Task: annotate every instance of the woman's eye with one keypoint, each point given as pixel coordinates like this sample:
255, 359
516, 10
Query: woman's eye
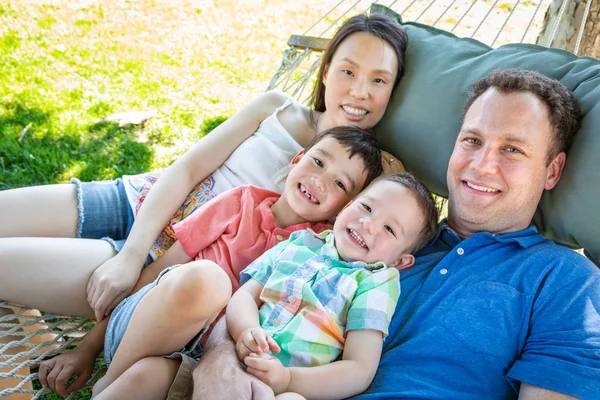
319, 162
378, 80
341, 185
390, 230
366, 207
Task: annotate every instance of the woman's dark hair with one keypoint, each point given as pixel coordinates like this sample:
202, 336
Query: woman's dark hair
378, 25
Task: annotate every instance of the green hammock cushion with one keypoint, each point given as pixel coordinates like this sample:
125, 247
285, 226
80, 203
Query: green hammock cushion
425, 114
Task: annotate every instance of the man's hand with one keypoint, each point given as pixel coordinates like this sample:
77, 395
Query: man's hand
255, 340
55, 372
269, 370
219, 379
110, 283
391, 164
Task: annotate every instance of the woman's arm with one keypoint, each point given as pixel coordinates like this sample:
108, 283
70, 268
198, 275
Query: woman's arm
114, 279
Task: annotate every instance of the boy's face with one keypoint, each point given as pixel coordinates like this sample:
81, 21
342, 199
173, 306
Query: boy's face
381, 224
323, 180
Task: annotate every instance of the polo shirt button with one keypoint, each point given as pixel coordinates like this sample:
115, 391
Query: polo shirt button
443, 271
304, 273
292, 299
279, 237
276, 322
460, 251
328, 262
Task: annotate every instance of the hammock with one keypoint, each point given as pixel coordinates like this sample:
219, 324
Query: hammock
488, 21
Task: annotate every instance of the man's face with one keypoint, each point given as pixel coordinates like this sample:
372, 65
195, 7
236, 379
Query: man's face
498, 169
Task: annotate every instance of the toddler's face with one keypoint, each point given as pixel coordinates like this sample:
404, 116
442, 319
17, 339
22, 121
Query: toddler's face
381, 224
324, 180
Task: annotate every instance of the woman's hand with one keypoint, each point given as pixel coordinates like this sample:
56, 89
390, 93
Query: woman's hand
390, 164
55, 372
111, 283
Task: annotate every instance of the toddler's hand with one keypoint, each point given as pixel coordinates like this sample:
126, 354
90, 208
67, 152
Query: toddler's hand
255, 340
269, 370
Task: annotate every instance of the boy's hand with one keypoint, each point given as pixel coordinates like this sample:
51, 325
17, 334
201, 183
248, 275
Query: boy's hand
55, 372
255, 340
269, 370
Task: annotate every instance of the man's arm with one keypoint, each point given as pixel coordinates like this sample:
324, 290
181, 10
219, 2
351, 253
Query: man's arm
220, 375
529, 392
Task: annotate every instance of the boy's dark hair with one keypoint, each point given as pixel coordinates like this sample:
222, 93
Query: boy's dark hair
358, 142
378, 25
426, 204
565, 114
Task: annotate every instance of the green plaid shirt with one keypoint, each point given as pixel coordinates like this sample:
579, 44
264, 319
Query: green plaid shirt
311, 298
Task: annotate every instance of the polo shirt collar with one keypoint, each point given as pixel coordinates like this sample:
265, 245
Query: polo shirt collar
330, 251
525, 238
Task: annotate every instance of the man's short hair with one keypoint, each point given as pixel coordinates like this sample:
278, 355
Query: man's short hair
358, 142
426, 204
565, 115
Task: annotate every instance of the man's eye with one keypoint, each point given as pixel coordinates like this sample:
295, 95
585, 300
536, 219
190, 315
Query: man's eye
472, 141
319, 162
513, 150
341, 185
390, 230
366, 207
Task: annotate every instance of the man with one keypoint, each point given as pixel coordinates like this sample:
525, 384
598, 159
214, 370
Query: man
490, 309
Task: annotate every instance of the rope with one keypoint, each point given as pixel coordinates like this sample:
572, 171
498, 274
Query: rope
555, 28
512, 10
531, 21
581, 28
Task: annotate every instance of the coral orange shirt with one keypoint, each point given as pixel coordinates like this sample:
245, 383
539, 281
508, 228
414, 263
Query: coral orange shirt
235, 228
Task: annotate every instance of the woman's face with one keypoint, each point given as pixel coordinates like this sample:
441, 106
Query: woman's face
359, 81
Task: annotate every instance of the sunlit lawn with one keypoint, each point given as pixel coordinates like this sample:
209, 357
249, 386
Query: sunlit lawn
64, 65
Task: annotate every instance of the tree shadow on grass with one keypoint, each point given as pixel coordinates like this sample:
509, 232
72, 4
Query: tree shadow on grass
34, 151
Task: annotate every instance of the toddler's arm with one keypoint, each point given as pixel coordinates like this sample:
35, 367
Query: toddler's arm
243, 323
340, 379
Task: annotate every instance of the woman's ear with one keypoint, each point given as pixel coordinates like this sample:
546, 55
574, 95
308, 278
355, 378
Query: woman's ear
325, 71
403, 262
297, 158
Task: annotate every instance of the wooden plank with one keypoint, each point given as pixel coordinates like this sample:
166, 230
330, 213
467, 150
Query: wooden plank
314, 43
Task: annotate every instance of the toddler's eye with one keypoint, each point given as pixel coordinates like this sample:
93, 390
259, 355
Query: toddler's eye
390, 230
366, 207
319, 162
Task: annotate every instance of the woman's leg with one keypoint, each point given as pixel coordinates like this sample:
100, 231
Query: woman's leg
150, 378
50, 274
40, 211
186, 299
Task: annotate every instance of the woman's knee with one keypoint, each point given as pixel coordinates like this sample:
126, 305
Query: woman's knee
201, 283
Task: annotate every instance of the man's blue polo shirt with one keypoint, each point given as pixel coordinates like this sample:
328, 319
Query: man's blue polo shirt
478, 316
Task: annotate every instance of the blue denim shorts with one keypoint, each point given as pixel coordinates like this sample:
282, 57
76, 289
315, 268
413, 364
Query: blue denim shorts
119, 321
104, 212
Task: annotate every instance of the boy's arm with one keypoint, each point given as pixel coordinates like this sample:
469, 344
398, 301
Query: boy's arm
338, 380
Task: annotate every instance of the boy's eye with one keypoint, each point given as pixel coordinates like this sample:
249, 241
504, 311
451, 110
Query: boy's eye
319, 162
366, 207
390, 230
348, 72
341, 185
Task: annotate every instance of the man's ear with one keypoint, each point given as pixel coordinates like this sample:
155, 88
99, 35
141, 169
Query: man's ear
554, 170
297, 158
403, 262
